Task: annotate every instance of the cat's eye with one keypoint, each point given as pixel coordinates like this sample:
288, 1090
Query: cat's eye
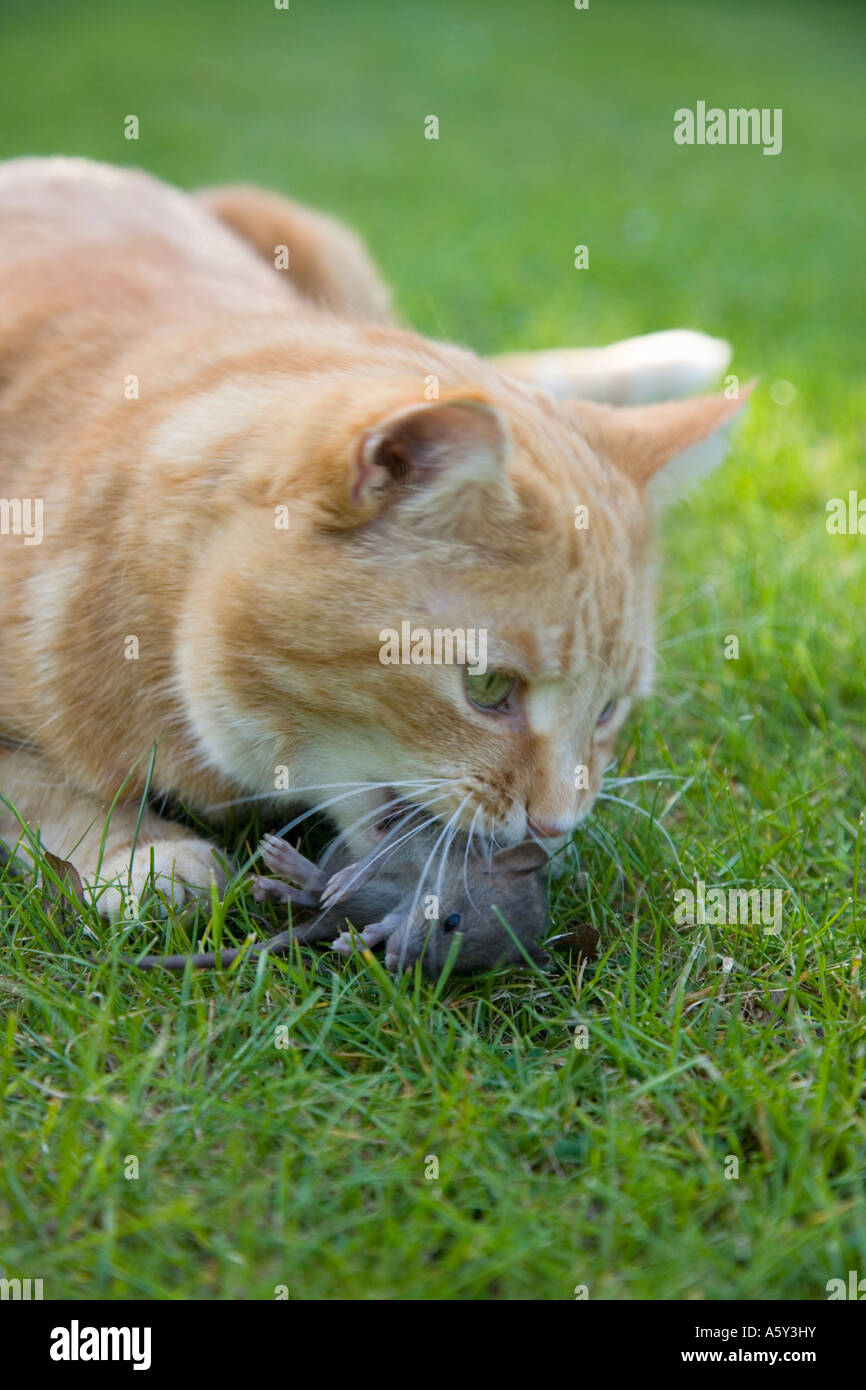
606, 712
451, 921
490, 690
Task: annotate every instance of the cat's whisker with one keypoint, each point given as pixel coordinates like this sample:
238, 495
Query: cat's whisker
448, 843
515, 801
707, 589
390, 844
713, 630
643, 777
696, 679
572, 850
389, 848
454, 817
323, 806
607, 846
466, 854
380, 813
633, 806
314, 811
325, 786
415, 831
600, 837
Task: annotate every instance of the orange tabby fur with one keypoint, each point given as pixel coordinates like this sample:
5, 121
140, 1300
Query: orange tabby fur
259, 646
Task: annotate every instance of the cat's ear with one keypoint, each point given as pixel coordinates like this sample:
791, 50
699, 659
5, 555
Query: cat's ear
460, 441
664, 448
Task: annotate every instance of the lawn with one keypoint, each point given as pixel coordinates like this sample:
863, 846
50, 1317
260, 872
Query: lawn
585, 1118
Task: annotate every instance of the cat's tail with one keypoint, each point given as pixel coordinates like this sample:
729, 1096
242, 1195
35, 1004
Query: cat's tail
325, 261
637, 370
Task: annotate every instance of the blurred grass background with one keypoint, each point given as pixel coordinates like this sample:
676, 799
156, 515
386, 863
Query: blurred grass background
559, 1166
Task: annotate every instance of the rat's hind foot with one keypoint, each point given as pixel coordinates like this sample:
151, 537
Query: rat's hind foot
270, 890
278, 891
283, 859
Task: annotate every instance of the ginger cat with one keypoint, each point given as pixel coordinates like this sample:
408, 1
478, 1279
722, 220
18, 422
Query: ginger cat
243, 475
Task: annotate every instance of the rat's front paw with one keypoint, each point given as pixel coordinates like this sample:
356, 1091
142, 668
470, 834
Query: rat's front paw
283, 859
372, 935
346, 941
178, 870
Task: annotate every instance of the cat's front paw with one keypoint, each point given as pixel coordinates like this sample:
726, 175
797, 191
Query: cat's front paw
177, 870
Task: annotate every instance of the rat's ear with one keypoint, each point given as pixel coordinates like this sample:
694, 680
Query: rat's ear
519, 859
663, 448
540, 957
460, 434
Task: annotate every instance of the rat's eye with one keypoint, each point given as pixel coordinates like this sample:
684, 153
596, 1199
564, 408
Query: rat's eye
606, 712
451, 921
490, 691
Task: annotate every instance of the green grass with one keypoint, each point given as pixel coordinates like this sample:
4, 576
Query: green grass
558, 1165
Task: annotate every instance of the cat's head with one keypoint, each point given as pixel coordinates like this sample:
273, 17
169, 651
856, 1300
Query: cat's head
310, 648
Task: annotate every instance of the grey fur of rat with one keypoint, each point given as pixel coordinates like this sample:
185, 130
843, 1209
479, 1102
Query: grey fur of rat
386, 898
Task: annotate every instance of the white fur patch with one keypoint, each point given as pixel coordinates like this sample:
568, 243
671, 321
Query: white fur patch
636, 371
205, 419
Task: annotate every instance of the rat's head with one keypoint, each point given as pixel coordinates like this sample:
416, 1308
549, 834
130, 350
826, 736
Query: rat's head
470, 910
458, 606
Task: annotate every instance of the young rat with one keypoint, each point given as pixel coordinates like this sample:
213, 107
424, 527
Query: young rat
507, 888
471, 900
388, 905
